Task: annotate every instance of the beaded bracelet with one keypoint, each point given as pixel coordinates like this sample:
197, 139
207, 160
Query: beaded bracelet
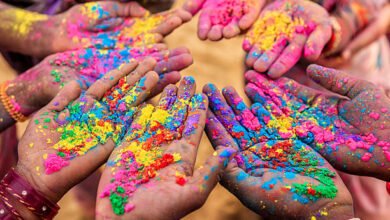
28, 196
7, 211
9, 104
335, 40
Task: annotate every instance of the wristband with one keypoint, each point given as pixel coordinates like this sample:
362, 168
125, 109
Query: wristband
28, 196
7, 211
10, 104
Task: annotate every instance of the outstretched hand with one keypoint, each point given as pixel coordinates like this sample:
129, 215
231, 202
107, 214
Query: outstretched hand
154, 165
349, 127
75, 133
224, 18
286, 31
105, 24
272, 175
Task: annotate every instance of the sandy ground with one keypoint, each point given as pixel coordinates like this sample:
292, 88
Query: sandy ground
219, 63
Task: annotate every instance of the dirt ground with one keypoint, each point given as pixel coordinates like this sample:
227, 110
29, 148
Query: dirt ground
219, 63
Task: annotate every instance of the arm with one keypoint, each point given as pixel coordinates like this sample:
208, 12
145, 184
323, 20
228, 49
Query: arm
16, 28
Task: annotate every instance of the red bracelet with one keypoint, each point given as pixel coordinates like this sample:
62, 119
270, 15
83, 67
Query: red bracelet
388, 187
28, 196
7, 211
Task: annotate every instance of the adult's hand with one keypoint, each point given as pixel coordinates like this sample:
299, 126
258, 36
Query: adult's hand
272, 175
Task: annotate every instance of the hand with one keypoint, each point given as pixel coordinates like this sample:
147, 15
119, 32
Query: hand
154, 165
75, 133
46, 79
284, 32
376, 29
106, 24
224, 18
271, 175
348, 129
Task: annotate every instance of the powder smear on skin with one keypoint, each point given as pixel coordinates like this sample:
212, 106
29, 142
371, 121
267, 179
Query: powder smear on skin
228, 11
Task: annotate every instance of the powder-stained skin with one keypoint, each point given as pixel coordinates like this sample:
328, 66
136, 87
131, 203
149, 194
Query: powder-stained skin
349, 131
272, 172
224, 18
284, 32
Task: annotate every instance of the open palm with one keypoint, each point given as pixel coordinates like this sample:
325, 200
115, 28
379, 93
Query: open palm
154, 165
348, 129
75, 133
272, 175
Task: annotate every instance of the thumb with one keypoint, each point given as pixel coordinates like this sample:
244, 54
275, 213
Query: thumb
338, 81
370, 34
130, 9
193, 6
209, 174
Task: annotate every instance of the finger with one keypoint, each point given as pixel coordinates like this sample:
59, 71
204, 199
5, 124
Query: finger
107, 24
132, 9
250, 17
174, 63
257, 95
210, 173
101, 86
226, 116
317, 41
143, 67
168, 97
139, 92
244, 115
268, 57
289, 57
231, 30
204, 25
215, 33
196, 119
338, 81
140, 122
172, 21
180, 107
193, 6
69, 93
165, 80
217, 133
252, 57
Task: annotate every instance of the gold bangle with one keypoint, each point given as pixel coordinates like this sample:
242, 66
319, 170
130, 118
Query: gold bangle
335, 41
8, 103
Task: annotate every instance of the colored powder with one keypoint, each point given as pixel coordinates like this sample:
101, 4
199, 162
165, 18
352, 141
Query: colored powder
22, 21
228, 11
274, 28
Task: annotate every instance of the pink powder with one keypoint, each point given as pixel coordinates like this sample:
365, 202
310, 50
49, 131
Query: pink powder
366, 157
227, 11
387, 155
54, 163
129, 207
249, 120
383, 110
374, 115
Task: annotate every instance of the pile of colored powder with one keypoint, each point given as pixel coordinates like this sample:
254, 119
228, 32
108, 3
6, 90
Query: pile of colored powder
141, 156
91, 64
22, 21
228, 11
140, 160
274, 28
84, 129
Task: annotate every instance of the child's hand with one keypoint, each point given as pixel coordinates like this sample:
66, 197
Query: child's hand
154, 165
87, 65
224, 18
106, 24
349, 129
272, 175
285, 31
74, 134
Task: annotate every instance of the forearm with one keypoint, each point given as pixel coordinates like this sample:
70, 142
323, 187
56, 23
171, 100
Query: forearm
17, 30
21, 93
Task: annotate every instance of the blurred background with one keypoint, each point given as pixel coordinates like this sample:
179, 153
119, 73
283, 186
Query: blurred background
220, 63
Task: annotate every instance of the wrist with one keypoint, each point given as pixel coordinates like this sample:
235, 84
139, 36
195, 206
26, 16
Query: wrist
333, 210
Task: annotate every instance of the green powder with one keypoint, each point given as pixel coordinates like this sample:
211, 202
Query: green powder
118, 201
